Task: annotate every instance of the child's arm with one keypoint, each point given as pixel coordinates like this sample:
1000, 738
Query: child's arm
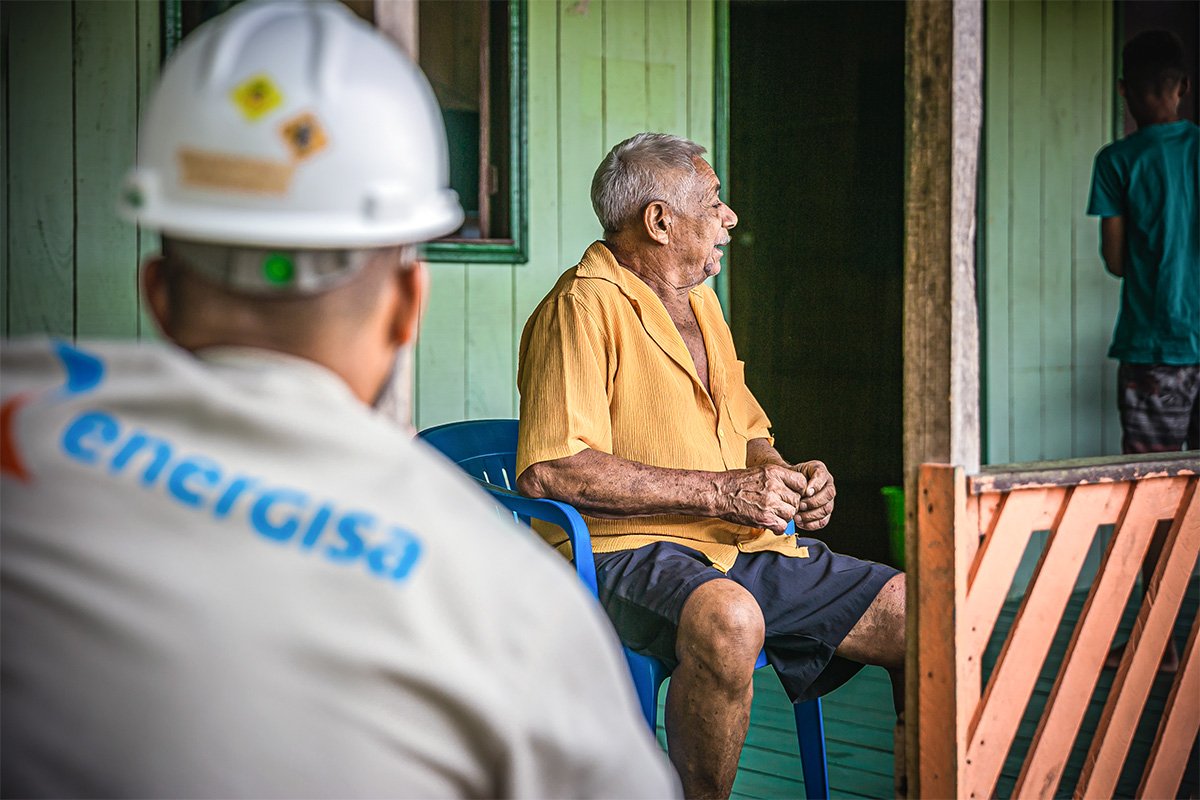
1112, 244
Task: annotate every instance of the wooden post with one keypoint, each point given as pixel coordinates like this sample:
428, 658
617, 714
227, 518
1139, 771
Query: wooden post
398, 19
937, 670
943, 90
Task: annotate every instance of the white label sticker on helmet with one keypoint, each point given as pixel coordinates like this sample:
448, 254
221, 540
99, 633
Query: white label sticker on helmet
256, 97
238, 173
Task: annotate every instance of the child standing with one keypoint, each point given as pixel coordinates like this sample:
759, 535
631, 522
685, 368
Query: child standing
1144, 189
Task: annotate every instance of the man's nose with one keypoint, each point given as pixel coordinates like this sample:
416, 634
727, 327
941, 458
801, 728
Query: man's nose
730, 219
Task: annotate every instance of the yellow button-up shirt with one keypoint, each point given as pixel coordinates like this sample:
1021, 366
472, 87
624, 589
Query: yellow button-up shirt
603, 367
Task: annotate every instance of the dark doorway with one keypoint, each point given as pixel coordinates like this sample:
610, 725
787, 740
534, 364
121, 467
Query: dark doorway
816, 175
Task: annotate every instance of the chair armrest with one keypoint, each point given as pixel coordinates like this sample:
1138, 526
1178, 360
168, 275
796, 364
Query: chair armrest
556, 513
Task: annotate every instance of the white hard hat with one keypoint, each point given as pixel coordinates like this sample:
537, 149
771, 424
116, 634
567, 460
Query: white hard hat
292, 125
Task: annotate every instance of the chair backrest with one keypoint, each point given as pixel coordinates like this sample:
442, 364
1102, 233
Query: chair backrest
486, 449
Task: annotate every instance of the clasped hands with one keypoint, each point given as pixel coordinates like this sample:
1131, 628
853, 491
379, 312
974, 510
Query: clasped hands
772, 495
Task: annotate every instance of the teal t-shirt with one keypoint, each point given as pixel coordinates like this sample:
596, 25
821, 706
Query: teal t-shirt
1152, 179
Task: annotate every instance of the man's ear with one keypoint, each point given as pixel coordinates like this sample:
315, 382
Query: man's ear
412, 284
1121, 87
657, 221
156, 293
1185, 85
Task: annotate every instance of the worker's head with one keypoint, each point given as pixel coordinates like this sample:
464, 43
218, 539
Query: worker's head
656, 191
292, 156
1154, 76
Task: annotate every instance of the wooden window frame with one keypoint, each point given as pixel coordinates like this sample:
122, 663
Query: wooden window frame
514, 250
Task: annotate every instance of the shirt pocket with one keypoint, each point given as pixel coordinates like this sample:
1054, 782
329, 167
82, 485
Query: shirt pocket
735, 390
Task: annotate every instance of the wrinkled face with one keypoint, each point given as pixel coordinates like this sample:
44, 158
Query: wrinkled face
701, 228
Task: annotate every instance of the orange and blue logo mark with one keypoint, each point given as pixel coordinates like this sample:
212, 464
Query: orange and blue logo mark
84, 372
102, 441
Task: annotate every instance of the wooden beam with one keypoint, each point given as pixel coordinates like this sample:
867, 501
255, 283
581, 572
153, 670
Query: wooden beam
943, 91
398, 19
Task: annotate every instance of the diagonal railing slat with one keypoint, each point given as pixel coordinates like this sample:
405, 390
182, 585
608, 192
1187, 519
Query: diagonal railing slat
1016, 672
1150, 501
1178, 729
971, 534
1147, 642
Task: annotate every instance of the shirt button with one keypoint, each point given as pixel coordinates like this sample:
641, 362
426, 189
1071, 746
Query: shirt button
721, 432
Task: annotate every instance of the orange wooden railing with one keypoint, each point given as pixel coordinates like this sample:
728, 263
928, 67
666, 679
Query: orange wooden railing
971, 534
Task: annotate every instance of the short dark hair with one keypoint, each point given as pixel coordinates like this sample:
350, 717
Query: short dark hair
1153, 62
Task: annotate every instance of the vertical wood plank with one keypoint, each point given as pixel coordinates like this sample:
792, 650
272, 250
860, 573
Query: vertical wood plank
534, 279
441, 374
667, 66
701, 74
1025, 342
1147, 640
581, 136
1178, 728
1057, 199
1111, 424
4, 151
149, 41
491, 372
1094, 288
996, 232
106, 103
1149, 501
40, 169
625, 75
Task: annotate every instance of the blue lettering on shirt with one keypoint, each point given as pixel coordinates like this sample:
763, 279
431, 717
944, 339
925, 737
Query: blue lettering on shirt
278, 513
89, 424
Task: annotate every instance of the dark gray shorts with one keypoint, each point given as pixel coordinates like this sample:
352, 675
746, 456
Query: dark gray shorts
808, 604
1160, 407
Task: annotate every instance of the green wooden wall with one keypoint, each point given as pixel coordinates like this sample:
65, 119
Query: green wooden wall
1048, 305
598, 72
75, 74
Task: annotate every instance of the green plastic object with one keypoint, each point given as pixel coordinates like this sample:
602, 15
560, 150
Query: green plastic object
893, 503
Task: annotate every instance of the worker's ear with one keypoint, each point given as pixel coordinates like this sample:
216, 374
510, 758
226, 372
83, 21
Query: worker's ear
657, 220
157, 293
412, 283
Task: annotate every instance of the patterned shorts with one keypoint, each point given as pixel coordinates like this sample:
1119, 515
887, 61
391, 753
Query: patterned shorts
1160, 407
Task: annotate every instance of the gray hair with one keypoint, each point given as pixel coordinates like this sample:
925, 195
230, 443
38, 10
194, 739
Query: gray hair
637, 172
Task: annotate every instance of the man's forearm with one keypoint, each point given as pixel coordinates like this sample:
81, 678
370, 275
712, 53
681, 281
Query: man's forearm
760, 452
765, 495
607, 486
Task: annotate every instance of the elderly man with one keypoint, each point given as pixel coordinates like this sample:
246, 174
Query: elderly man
634, 408
228, 571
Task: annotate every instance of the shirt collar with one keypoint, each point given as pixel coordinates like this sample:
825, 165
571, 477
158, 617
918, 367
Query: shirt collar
598, 262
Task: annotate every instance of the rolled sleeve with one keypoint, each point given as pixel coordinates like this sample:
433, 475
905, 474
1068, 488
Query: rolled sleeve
563, 383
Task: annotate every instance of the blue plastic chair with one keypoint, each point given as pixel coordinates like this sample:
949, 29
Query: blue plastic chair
486, 450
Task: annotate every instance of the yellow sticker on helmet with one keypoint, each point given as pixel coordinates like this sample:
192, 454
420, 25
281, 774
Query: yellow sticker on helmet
256, 96
304, 135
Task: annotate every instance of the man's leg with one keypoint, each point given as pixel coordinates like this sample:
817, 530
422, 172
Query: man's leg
879, 639
708, 701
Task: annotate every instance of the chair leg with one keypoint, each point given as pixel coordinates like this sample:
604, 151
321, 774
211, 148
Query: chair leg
810, 730
648, 676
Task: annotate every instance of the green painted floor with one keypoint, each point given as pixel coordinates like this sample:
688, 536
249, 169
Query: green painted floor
858, 740
859, 720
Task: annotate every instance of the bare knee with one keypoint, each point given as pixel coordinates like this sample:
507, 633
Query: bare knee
879, 636
721, 632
